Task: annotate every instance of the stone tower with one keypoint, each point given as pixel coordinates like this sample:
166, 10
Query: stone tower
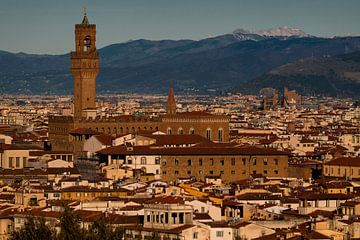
171, 104
85, 68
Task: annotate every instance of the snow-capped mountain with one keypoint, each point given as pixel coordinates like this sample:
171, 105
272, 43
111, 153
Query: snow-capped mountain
281, 32
243, 35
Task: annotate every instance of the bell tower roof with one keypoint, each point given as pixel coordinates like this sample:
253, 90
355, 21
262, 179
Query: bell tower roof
85, 20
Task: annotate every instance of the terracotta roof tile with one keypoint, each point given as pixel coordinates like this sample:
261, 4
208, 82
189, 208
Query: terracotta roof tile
213, 150
104, 139
345, 161
166, 200
83, 131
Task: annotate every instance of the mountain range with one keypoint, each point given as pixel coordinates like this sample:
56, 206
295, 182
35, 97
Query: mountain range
329, 76
243, 61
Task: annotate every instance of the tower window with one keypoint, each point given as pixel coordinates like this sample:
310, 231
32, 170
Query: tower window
87, 44
180, 131
220, 135
192, 131
208, 133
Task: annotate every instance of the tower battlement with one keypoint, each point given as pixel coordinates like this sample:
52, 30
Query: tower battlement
85, 26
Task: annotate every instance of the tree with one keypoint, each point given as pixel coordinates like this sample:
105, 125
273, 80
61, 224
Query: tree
69, 226
34, 229
101, 230
70, 229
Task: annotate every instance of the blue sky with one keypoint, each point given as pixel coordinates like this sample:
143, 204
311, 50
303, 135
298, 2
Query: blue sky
46, 26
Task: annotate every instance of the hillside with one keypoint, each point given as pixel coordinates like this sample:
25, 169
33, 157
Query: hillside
149, 66
330, 76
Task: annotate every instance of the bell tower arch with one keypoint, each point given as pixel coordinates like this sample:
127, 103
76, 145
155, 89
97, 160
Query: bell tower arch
85, 68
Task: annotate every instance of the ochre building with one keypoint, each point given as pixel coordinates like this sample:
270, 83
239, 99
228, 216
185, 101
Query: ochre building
230, 163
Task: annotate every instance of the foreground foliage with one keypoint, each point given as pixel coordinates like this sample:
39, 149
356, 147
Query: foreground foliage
70, 229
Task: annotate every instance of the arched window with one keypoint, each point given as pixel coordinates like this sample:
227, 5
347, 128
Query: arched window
87, 43
168, 131
220, 135
180, 131
192, 131
208, 133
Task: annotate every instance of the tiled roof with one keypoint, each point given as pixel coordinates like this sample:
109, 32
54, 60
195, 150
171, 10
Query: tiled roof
350, 203
345, 161
19, 147
38, 172
213, 150
193, 114
201, 216
166, 200
257, 196
176, 139
104, 139
83, 131
90, 189
132, 208
324, 196
321, 213
336, 184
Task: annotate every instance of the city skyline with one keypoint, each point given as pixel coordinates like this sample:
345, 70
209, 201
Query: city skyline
43, 26
257, 138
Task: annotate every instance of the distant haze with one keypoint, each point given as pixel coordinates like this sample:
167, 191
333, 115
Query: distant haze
43, 26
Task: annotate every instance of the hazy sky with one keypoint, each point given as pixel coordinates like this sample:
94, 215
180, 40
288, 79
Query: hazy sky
46, 26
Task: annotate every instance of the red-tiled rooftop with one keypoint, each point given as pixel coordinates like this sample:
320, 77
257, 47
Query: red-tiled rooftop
38, 172
83, 131
324, 196
166, 200
345, 161
213, 150
350, 203
104, 139
19, 147
323, 213
162, 140
192, 114
91, 189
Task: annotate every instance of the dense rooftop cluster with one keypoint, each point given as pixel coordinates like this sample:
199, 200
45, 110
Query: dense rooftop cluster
286, 172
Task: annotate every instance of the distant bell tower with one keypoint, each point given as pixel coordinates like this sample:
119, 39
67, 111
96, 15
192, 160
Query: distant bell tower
85, 68
171, 103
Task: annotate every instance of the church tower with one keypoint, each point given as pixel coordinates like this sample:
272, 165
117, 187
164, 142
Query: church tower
85, 68
171, 104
